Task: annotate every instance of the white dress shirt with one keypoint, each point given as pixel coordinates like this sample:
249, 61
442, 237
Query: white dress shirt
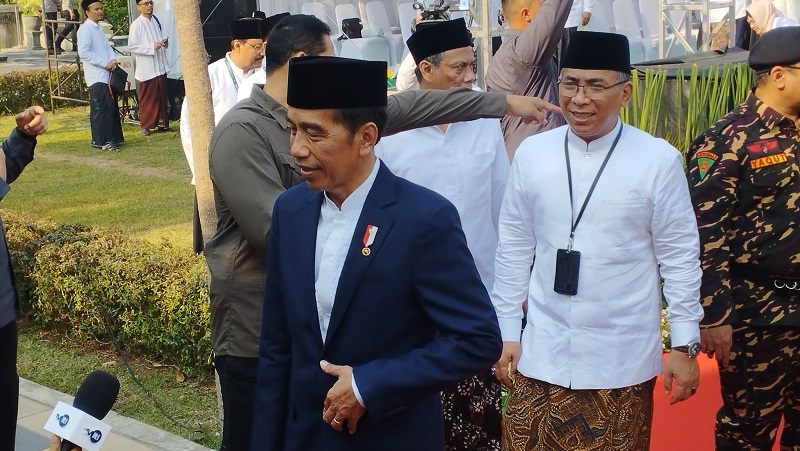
95, 52
259, 77
576, 12
225, 85
150, 63
468, 165
639, 216
334, 234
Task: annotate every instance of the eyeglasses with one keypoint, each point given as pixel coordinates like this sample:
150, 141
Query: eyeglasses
792, 67
146, 3
570, 89
258, 48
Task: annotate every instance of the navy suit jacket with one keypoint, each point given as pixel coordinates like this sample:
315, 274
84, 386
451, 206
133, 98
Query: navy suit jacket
409, 318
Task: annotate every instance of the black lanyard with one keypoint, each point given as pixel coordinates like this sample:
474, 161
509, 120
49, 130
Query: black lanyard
591, 189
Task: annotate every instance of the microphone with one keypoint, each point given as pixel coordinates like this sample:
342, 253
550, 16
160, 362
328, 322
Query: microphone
93, 401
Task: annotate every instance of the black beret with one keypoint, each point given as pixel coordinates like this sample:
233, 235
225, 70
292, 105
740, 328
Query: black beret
269, 23
85, 3
437, 38
592, 50
246, 28
777, 47
327, 82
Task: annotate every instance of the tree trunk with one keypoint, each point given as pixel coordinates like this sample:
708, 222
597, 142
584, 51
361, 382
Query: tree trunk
201, 117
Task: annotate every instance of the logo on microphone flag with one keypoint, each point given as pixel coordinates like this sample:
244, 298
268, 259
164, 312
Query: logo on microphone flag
78, 427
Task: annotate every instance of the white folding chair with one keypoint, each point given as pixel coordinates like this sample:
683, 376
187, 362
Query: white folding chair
346, 11
628, 22
649, 10
406, 15
376, 15
322, 12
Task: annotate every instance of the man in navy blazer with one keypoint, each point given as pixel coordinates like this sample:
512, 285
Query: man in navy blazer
373, 302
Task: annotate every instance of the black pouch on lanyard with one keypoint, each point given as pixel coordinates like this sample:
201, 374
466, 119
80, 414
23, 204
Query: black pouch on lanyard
568, 265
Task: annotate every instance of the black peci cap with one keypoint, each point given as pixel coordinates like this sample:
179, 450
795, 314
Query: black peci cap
326, 82
437, 38
246, 28
269, 23
592, 50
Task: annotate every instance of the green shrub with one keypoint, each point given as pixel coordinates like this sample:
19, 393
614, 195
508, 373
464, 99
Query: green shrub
154, 297
23, 89
116, 13
26, 236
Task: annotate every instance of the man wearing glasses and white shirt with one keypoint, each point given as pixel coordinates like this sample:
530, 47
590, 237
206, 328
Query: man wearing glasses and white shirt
604, 210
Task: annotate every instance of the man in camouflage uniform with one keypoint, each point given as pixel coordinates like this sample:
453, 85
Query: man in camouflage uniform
745, 185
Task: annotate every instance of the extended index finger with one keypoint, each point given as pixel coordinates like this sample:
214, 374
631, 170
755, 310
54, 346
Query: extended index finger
545, 105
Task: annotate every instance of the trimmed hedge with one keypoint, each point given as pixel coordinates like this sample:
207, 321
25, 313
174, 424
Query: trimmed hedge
23, 89
155, 296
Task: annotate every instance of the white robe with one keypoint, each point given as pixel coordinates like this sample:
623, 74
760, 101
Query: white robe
224, 92
150, 63
468, 165
639, 216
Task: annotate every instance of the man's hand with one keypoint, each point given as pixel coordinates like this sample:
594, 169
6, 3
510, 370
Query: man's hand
158, 44
341, 405
686, 374
504, 372
716, 341
585, 18
530, 109
111, 65
32, 121
55, 444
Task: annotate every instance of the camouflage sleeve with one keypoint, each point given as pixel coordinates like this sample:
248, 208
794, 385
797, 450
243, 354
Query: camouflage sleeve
713, 172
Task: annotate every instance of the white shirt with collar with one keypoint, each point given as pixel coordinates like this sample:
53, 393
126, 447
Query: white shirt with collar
334, 234
259, 77
95, 52
639, 217
150, 63
468, 165
226, 80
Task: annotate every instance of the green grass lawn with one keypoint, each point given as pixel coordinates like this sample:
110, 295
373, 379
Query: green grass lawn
144, 191
56, 362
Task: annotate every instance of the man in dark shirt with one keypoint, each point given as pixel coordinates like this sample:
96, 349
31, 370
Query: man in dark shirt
17, 152
525, 63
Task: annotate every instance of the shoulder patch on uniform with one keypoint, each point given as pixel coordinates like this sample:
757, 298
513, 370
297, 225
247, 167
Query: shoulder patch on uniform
763, 147
705, 160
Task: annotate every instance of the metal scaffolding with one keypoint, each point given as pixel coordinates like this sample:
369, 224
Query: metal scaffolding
61, 69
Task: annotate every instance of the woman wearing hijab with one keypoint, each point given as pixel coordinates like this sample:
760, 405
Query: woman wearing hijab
763, 17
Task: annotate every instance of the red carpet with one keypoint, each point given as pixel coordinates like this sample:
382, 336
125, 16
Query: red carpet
688, 425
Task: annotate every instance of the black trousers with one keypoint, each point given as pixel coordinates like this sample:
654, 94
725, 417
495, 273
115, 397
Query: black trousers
9, 385
50, 29
104, 117
237, 381
70, 27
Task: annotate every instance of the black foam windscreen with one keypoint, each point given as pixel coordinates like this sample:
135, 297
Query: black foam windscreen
97, 394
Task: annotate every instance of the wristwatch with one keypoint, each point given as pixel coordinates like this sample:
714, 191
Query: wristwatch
691, 349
